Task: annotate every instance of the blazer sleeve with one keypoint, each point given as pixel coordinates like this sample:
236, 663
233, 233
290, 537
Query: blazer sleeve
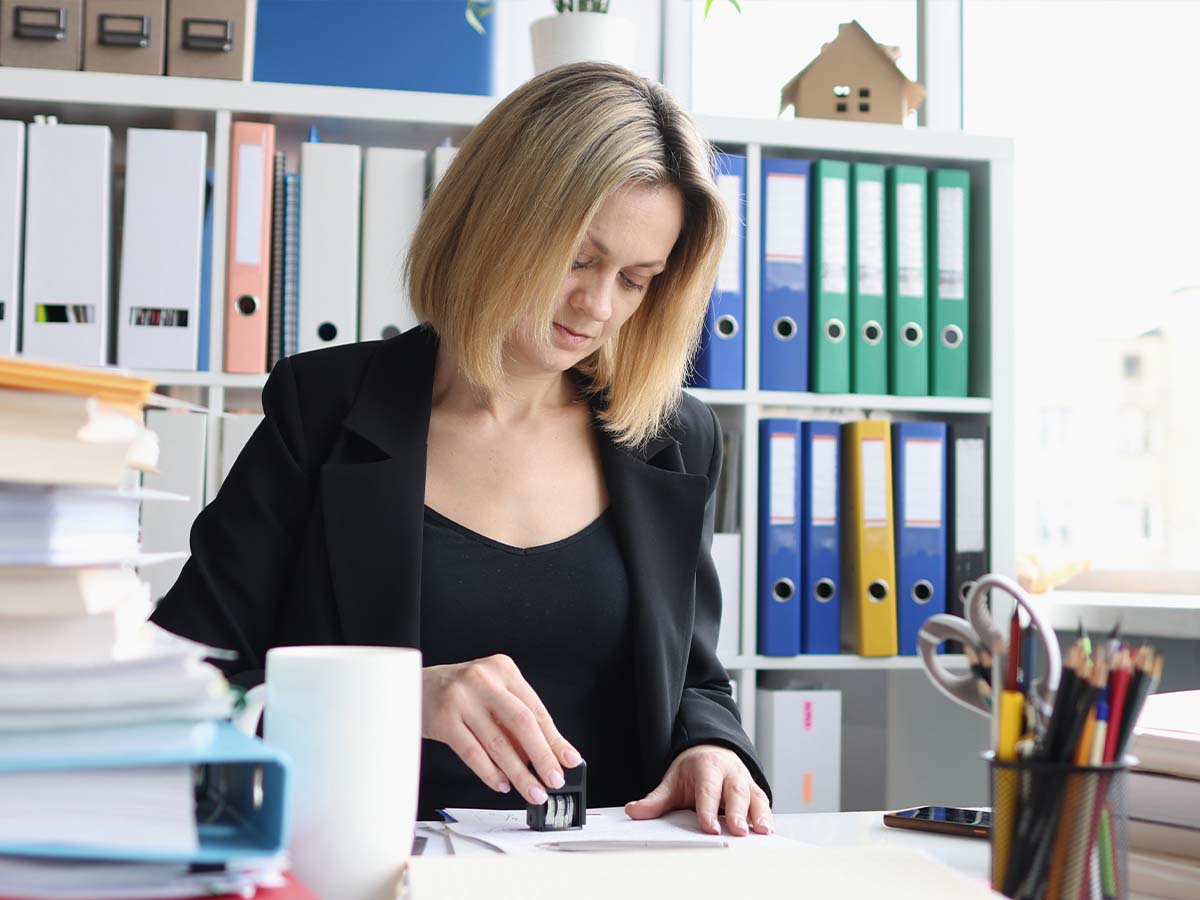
707, 713
244, 543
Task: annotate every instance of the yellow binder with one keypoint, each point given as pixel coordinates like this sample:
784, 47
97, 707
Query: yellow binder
869, 560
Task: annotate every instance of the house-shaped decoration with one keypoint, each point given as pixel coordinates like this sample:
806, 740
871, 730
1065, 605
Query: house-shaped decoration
853, 78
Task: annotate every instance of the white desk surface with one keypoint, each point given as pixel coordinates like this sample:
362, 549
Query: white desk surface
969, 856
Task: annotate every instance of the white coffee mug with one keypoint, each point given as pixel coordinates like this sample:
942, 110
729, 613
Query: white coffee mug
350, 720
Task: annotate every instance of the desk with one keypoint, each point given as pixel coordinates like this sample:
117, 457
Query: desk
970, 856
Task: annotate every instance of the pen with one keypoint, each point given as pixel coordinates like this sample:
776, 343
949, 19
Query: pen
618, 845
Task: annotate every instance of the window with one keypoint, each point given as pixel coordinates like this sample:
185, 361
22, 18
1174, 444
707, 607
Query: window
1106, 277
772, 40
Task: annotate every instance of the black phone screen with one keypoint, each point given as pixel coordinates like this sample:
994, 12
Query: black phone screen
952, 815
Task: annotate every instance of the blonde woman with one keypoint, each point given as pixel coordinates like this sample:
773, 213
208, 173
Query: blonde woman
518, 487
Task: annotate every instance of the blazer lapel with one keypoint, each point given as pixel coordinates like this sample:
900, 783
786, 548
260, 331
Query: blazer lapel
373, 510
658, 514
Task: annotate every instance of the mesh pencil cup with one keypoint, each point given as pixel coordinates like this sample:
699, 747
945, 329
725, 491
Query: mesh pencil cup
1059, 831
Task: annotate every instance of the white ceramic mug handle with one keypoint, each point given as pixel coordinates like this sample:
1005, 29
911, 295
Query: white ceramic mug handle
246, 719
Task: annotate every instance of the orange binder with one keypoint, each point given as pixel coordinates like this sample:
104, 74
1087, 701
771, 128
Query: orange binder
248, 258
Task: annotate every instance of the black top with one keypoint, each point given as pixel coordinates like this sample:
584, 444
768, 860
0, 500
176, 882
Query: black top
562, 612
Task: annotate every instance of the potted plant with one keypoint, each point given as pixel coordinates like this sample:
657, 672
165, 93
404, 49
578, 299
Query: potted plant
580, 30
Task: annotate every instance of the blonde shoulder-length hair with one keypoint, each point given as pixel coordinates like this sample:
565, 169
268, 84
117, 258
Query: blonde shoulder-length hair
499, 235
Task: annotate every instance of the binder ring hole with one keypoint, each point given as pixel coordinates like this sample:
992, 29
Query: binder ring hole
389, 331
327, 331
257, 788
247, 304
872, 333
783, 590
922, 592
878, 590
913, 334
825, 589
727, 326
785, 328
965, 590
835, 330
952, 336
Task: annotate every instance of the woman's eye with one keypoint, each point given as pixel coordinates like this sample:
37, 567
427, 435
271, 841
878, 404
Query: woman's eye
632, 285
579, 265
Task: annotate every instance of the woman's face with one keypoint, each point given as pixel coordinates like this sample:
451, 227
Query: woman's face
627, 244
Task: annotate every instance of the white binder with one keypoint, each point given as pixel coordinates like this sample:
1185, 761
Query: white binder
727, 557
235, 431
439, 161
393, 197
166, 527
12, 200
67, 232
800, 745
329, 231
158, 323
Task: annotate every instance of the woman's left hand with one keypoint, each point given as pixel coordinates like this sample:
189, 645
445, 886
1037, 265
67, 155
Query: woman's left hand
700, 778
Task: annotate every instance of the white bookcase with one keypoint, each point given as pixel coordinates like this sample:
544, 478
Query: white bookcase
416, 120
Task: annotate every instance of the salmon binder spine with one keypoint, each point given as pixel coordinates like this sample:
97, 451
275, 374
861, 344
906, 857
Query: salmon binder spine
248, 257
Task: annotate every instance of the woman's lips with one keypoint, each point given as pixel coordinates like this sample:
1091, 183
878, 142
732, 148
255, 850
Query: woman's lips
571, 338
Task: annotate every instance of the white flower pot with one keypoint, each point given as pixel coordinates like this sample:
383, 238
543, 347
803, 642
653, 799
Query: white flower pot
582, 36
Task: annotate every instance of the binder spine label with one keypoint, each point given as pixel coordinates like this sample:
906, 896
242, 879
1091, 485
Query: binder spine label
824, 486
923, 481
870, 237
951, 247
911, 232
787, 219
834, 248
874, 474
783, 479
969, 481
729, 275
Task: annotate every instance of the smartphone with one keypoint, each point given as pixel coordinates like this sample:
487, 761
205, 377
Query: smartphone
946, 819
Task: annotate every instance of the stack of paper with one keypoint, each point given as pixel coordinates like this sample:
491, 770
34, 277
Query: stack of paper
1164, 797
103, 716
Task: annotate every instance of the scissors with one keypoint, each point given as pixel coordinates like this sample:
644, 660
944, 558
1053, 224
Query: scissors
979, 631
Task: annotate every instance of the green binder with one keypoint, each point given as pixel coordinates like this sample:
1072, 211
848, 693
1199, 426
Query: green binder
907, 285
949, 280
868, 287
830, 273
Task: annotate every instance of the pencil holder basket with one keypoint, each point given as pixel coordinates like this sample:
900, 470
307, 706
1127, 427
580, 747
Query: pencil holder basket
1059, 831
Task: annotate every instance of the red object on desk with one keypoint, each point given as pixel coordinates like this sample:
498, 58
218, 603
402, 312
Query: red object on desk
292, 890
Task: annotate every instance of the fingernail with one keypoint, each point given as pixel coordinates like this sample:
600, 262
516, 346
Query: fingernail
503, 787
537, 796
740, 823
556, 779
572, 757
764, 825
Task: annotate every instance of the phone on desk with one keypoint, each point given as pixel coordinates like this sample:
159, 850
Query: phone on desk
944, 819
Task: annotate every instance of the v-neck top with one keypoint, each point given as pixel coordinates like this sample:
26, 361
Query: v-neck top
562, 612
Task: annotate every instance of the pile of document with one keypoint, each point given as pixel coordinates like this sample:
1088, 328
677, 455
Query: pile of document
104, 717
1164, 797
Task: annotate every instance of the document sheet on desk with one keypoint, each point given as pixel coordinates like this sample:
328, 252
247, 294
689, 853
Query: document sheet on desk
506, 830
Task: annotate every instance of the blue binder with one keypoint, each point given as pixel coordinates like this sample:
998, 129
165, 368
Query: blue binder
721, 362
784, 306
919, 467
821, 601
780, 451
205, 317
231, 824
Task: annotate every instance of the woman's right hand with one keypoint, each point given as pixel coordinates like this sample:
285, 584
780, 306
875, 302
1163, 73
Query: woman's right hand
489, 715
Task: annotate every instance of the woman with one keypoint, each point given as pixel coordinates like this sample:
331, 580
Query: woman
518, 487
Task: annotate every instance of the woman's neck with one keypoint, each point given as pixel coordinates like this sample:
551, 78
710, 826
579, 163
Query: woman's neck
526, 394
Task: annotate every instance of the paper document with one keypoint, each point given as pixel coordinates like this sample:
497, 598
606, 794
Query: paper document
506, 830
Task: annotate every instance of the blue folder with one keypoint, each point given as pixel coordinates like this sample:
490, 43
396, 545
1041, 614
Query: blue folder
784, 306
721, 362
780, 451
240, 771
919, 473
821, 601
205, 317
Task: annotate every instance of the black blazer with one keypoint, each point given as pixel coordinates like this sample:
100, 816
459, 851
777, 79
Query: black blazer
315, 537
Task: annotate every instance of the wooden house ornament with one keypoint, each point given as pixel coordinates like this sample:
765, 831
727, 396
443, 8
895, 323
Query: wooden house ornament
853, 78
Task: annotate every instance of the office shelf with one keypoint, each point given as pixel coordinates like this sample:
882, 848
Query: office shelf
423, 120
